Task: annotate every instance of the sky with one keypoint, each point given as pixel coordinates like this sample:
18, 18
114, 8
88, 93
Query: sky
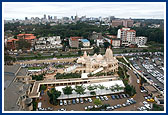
20, 10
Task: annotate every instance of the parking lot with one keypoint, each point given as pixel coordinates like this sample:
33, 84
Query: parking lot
139, 98
149, 68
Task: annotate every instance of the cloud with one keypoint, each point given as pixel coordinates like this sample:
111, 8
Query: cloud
21, 10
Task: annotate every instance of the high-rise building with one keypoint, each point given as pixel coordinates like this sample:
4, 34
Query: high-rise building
26, 18
49, 17
45, 16
55, 17
72, 18
127, 36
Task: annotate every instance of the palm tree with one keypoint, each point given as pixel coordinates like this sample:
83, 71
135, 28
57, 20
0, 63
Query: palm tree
117, 87
112, 88
80, 90
90, 88
67, 90
101, 87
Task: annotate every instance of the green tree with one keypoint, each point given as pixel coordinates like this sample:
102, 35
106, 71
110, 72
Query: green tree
53, 95
80, 90
8, 59
97, 102
23, 44
157, 108
106, 44
130, 90
96, 50
101, 87
43, 87
79, 52
67, 90
93, 93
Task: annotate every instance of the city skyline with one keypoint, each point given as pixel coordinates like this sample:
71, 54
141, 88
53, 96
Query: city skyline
119, 10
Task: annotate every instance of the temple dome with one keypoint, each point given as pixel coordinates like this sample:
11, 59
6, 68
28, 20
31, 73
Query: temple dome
99, 57
109, 54
85, 55
95, 55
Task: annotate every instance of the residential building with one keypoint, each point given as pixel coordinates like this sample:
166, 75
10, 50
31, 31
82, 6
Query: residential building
141, 40
116, 42
138, 24
125, 23
99, 42
96, 35
47, 43
116, 23
74, 42
127, 36
85, 42
30, 38
12, 44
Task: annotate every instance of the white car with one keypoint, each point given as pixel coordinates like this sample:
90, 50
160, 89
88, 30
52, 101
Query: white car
65, 102
90, 100
105, 97
77, 100
61, 102
138, 81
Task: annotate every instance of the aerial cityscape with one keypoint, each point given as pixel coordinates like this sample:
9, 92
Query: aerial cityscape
73, 59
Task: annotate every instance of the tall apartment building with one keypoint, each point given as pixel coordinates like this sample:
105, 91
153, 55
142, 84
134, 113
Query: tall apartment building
127, 36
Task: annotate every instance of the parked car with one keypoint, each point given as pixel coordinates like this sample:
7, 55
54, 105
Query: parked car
77, 100
86, 100
117, 96
69, 102
113, 97
65, 102
106, 98
90, 100
81, 100
61, 102
73, 101
101, 97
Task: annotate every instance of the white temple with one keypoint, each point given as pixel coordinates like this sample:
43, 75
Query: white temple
92, 63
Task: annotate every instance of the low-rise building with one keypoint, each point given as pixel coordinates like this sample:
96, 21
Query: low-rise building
85, 42
74, 42
30, 38
16, 89
47, 43
12, 44
140, 41
99, 42
116, 42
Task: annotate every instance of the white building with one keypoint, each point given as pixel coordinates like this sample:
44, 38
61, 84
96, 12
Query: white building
127, 36
99, 41
141, 40
44, 43
116, 42
85, 42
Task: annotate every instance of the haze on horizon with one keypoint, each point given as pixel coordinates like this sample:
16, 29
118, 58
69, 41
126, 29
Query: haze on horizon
20, 10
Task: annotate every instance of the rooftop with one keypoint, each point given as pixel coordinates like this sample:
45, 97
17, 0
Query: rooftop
84, 40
